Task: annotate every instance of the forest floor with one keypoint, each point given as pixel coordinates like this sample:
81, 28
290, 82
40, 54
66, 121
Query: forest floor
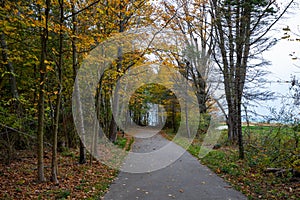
76, 181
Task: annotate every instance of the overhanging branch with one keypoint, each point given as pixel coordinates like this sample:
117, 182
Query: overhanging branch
83, 9
277, 19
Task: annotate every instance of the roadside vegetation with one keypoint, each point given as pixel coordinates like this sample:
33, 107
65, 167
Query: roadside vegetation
271, 168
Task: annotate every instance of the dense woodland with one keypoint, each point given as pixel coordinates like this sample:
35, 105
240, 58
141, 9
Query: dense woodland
44, 43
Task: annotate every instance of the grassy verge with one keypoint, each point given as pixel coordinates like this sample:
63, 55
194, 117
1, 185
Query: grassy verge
265, 147
124, 142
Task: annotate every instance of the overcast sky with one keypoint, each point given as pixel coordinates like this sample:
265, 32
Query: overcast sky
283, 66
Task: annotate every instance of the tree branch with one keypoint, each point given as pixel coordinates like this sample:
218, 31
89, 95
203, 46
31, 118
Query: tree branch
83, 9
20, 132
269, 28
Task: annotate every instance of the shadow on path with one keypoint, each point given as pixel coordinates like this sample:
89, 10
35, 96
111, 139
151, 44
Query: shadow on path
184, 179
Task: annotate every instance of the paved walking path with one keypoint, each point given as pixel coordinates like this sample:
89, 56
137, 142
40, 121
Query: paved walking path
184, 179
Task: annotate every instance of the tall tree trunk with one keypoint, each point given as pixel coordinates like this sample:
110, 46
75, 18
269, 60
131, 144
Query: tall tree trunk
41, 109
82, 153
245, 33
240, 133
173, 116
82, 149
115, 100
74, 47
113, 129
186, 110
54, 166
80, 121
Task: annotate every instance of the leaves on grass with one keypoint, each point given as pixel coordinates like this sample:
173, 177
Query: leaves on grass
248, 175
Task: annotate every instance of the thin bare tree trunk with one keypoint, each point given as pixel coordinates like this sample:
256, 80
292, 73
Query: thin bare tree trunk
82, 154
41, 109
115, 100
80, 121
187, 112
54, 166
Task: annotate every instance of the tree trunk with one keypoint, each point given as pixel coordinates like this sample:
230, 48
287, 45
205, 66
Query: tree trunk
41, 109
115, 111
54, 166
115, 100
240, 132
82, 156
173, 117
113, 130
74, 47
82, 149
79, 119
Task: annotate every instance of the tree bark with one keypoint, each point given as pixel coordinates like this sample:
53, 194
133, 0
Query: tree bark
54, 166
115, 99
82, 149
41, 109
234, 47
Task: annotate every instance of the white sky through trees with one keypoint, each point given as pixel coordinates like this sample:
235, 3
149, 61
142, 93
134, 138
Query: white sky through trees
282, 66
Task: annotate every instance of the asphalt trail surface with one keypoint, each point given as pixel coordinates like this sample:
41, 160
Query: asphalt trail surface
184, 179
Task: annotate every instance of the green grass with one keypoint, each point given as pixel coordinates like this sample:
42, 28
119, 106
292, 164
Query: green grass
68, 153
124, 142
265, 146
130, 144
121, 142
